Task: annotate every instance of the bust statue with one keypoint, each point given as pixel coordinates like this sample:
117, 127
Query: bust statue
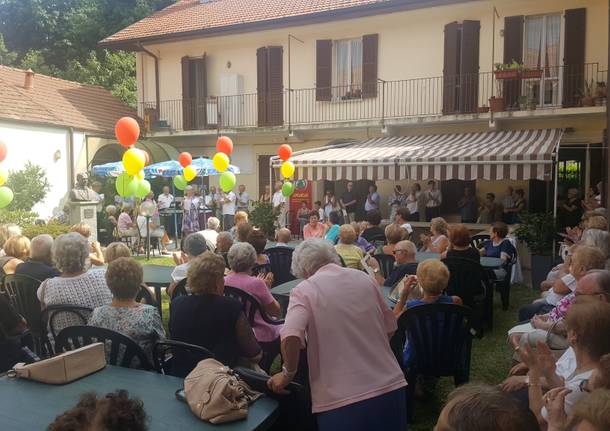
81, 192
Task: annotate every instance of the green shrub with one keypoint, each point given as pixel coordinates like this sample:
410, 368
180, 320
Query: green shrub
19, 217
30, 186
52, 228
263, 218
537, 230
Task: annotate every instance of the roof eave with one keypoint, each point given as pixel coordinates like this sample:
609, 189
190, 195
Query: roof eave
134, 44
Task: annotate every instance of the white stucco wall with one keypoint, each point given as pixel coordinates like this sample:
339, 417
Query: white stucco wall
38, 144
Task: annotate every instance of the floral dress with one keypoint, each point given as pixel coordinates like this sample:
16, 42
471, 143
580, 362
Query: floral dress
141, 323
190, 219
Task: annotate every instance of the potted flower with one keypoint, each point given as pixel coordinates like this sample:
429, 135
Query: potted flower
600, 93
538, 231
507, 71
587, 96
522, 100
496, 103
483, 109
531, 73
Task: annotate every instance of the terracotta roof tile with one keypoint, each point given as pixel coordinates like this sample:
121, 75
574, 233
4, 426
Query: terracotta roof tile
188, 16
59, 102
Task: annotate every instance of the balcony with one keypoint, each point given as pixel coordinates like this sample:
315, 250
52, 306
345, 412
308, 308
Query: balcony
387, 102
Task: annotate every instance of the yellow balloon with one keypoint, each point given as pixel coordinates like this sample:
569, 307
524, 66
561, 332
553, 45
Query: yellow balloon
133, 161
189, 173
3, 176
221, 162
140, 175
287, 169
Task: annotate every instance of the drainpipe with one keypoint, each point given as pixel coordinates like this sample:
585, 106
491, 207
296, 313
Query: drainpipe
70, 143
157, 91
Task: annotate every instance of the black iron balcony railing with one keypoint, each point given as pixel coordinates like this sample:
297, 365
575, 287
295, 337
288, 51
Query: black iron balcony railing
565, 86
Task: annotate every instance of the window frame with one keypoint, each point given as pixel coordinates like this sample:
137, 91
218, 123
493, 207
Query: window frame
352, 91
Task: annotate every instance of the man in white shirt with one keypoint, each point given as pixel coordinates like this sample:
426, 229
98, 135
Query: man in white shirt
279, 205
165, 199
211, 233
243, 199
193, 246
227, 200
433, 199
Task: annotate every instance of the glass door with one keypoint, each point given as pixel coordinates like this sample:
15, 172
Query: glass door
541, 52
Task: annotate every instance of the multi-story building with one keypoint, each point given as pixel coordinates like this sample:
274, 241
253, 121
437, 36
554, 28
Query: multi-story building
409, 81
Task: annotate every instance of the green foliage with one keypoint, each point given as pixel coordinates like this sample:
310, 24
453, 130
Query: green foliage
262, 217
52, 228
30, 186
60, 38
18, 217
537, 230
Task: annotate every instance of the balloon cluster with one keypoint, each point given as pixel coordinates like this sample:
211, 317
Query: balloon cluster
131, 182
6, 194
224, 148
188, 171
287, 169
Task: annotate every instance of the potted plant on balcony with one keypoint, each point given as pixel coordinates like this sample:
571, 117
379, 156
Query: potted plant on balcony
527, 73
507, 71
483, 109
522, 100
538, 230
531, 104
587, 95
601, 94
496, 103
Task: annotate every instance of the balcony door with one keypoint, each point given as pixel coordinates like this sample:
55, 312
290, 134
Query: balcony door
194, 93
542, 51
270, 86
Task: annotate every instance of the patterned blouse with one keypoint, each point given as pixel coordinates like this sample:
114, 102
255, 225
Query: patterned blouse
560, 310
142, 323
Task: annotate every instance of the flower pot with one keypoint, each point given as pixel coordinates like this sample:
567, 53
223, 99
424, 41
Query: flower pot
541, 265
531, 74
506, 74
483, 109
586, 101
496, 104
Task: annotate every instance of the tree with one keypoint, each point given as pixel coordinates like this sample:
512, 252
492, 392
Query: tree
60, 38
30, 186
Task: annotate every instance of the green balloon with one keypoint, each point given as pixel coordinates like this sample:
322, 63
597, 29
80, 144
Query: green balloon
6, 196
180, 182
143, 189
287, 189
227, 181
126, 185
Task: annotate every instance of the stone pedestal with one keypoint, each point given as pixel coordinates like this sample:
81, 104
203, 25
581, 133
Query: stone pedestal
85, 212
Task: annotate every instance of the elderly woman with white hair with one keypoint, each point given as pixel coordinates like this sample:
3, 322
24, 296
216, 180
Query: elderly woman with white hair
242, 258
343, 319
600, 239
190, 216
75, 285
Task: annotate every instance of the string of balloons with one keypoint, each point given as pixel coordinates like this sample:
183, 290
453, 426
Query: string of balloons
6, 194
131, 182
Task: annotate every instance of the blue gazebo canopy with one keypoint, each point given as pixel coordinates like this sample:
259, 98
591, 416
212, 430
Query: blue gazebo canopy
169, 168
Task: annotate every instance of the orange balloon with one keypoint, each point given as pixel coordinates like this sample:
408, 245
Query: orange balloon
285, 152
3, 151
127, 131
224, 145
185, 159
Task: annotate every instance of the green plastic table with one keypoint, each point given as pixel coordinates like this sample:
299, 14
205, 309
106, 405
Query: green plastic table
157, 277
28, 406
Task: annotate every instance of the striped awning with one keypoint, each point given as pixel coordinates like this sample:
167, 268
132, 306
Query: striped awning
498, 155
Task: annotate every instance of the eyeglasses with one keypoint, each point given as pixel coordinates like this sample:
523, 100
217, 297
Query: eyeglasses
583, 386
398, 250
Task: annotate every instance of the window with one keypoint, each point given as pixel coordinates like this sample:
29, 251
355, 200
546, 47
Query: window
347, 69
541, 50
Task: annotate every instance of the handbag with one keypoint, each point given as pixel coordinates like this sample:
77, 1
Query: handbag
64, 368
215, 393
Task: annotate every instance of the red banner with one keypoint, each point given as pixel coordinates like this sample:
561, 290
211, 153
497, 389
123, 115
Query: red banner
302, 192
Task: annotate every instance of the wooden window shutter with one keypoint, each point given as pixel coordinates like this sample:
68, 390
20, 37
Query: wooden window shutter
513, 51
201, 89
370, 59
574, 56
451, 68
188, 117
469, 67
261, 85
324, 61
275, 86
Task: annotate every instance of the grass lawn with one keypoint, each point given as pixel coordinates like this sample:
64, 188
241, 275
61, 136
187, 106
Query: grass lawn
491, 355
